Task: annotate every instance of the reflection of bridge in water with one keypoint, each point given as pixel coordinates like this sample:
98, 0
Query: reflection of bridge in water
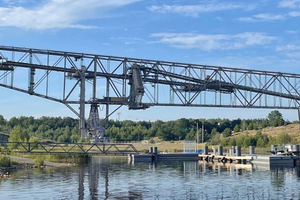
98, 174
140, 83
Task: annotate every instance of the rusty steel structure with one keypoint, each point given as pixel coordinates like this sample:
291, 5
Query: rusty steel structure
98, 80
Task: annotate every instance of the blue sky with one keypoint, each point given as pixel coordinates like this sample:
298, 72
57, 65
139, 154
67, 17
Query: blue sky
258, 34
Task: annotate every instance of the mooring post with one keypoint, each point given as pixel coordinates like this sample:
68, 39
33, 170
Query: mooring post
296, 149
205, 150
238, 151
150, 150
214, 150
251, 150
155, 151
220, 150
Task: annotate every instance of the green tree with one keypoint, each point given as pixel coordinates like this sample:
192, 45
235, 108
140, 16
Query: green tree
224, 142
261, 143
2, 121
250, 126
192, 135
275, 118
216, 139
214, 131
236, 128
240, 140
18, 135
232, 142
227, 132
249, 141
262, 140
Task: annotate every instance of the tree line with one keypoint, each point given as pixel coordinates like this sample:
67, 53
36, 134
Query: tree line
216, 131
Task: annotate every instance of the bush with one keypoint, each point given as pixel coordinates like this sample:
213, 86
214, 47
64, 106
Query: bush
5, 161
283, 138
39, 161
151, 141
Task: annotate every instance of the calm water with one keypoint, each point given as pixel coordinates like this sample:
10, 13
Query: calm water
115, 178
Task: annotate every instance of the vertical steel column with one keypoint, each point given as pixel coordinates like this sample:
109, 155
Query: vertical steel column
82, 103
12, 72
65, 76
107, 95
260, 87
124, 79
95, 78
47, 80
266, 97
31, 75
220, 93
250, 93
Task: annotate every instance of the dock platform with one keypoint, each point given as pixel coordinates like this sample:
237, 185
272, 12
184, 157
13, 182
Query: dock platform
270, 160
290, 158
162, 157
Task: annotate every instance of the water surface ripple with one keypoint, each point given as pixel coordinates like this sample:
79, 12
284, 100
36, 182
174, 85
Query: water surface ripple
116, 178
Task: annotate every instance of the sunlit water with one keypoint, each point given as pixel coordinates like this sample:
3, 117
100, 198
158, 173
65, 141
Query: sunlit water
115, 178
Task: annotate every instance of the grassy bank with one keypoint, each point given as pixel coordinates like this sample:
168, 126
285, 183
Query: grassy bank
56, 158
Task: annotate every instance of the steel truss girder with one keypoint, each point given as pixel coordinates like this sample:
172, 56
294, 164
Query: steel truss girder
166, 83
69, 148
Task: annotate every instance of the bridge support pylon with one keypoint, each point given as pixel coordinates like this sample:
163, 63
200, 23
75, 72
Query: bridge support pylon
82, 123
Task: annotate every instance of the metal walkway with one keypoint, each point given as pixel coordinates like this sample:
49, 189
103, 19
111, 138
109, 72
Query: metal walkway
68, 148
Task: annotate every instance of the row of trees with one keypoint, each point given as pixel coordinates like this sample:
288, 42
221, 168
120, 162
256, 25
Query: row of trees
66, 129
246, 140
48, 128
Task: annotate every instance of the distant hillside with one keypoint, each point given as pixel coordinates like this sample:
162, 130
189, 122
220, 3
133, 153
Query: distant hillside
291, 129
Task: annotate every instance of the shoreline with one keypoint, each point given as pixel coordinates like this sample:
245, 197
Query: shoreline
27, 163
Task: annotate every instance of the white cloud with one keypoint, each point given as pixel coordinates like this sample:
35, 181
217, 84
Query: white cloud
213, 42
295, 55
289, 3
294, 14
58, 13
195, 10
293, 32
290, 50
289, 47
263, 17
14, 2
269, 17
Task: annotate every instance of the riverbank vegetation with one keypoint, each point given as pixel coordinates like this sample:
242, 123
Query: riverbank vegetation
242, 132
5, 161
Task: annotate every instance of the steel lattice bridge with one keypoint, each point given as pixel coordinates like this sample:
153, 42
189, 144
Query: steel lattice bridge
68, 148
80, 79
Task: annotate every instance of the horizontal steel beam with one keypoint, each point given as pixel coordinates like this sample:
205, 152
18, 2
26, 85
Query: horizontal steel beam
141, 61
